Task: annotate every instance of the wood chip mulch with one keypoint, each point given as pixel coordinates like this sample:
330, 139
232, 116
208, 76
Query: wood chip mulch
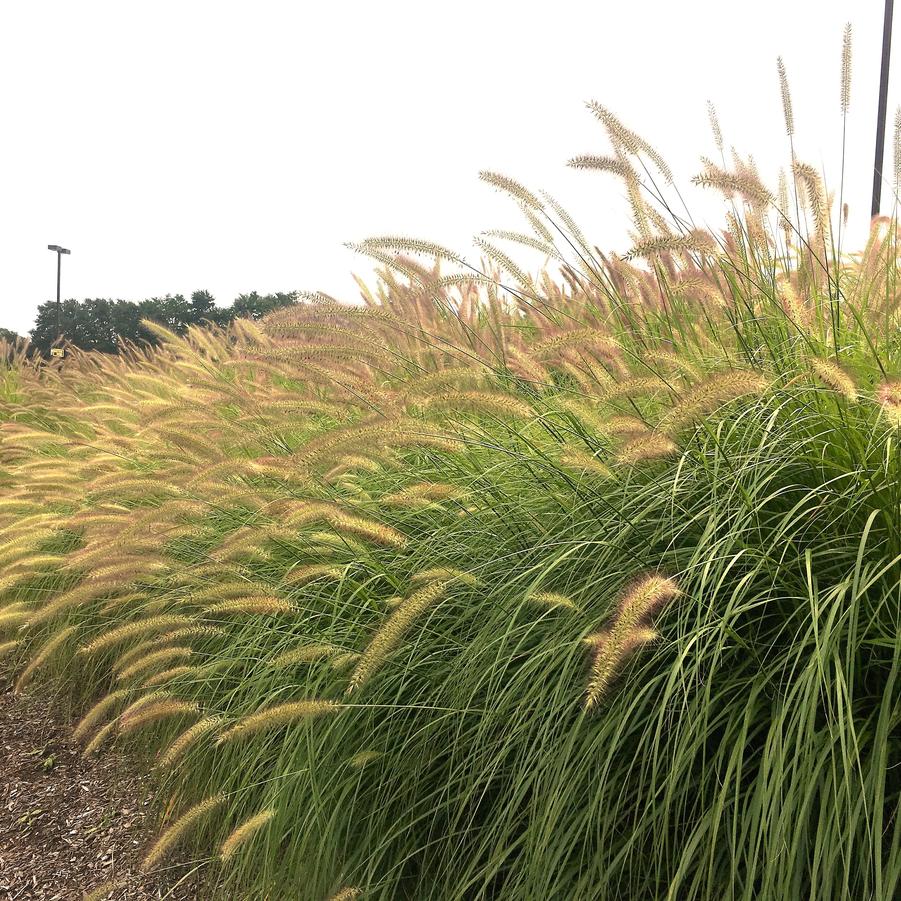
69, 825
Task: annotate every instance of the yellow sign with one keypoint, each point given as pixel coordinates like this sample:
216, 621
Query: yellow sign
57, 352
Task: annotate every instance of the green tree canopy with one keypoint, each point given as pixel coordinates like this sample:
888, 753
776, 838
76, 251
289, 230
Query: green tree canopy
100, 324
255, 306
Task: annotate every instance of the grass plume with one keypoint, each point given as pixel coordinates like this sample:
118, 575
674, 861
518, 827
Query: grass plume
244, 833
176, 832
277, 716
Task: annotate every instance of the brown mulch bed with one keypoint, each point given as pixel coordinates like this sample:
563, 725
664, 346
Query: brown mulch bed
68, 825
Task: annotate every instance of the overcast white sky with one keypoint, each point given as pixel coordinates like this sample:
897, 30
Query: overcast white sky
234, 146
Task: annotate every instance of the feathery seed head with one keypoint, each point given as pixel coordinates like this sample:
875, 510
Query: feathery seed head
342, 661
141, 702
232, 589
645, 595
243, 833
505, 262
623, 425
368, 529
832, 375
715, 126
135, 629
100, 737
389, 635
603, 665
7, 647
652, 446
98, 711
185, 632
786, 98
305, 653
744, 183
634, 387
344, 522
151, 712
846, 69
896, 146
422, 494
300, 575
782, 201
167, 675
261, 605
816, 194
594, 339
626, 632
188, 738
576, 458
149, 661
888, 395
795, 307
715, 391
480, 401
66, 600
171, 836
46, 651
361, 758
541, 246
640, 636
552, 599
277, 716
511, 187
622, 137
652, 248
346, 894
616, 165
405, 245
10, 618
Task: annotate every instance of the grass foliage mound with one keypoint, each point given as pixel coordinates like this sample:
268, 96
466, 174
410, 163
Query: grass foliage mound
497, 587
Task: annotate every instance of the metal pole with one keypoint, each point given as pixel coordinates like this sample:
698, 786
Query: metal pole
59, 321
883, 101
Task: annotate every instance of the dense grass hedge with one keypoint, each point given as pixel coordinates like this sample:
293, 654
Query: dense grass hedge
494, 588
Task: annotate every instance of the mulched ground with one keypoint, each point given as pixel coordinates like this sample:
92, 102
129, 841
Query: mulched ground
68, 825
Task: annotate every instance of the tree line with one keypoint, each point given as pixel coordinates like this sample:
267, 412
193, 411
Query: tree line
101, 324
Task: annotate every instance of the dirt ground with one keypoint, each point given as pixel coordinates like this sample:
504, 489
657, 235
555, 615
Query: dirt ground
67, 826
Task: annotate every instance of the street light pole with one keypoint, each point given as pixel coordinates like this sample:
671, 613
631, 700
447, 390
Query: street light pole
59, 272
883, 101
59, 266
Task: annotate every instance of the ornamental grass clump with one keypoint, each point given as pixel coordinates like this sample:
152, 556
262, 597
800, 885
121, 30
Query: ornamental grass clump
581, 583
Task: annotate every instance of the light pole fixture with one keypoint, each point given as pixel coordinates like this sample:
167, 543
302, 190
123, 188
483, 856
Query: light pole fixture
883, 101
59, 265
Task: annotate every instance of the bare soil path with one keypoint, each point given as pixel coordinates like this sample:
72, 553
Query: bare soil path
69, 825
